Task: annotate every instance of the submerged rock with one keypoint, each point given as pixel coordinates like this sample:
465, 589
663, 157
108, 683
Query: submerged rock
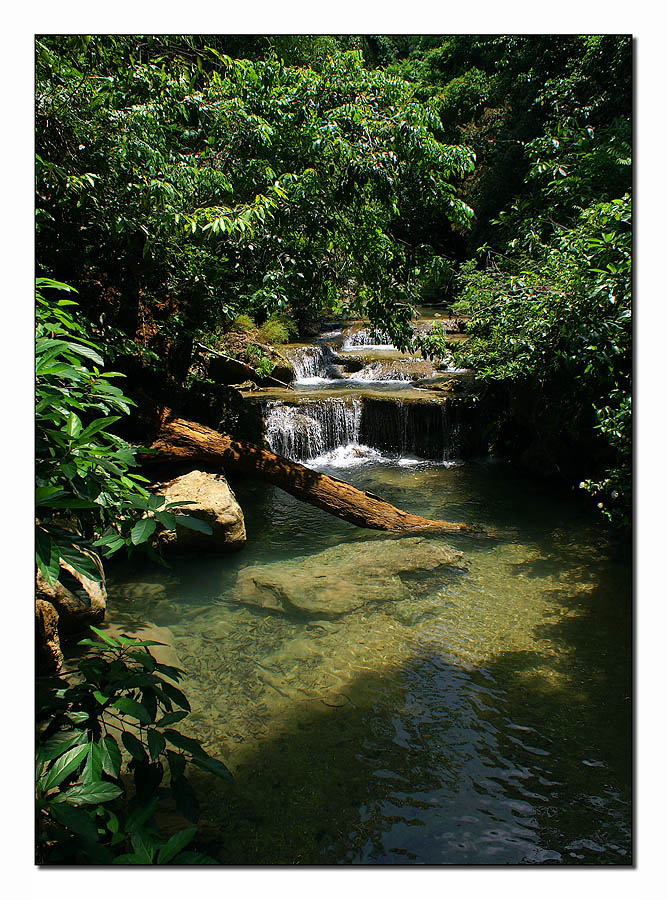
343, 578
212, 501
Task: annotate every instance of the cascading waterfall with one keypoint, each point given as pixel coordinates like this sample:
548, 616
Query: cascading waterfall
370, 403
368, 428
367, 337
396, 370
312, 361
308, 430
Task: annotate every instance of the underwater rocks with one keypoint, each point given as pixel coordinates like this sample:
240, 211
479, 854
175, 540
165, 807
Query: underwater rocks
343, 578
212, 501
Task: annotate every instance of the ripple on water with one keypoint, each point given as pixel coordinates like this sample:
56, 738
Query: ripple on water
482, 719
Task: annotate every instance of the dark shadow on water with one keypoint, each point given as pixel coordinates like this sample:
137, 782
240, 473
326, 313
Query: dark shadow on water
525, 759
438, 763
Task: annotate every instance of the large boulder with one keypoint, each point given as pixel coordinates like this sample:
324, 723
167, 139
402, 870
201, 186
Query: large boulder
283, 370
232, 371
229, 370
343, 578
212, 501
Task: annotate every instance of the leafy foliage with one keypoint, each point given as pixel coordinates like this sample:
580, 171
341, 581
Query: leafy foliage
232, 186
556, 315
116, 716
88, 494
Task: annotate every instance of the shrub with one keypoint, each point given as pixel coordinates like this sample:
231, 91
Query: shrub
88, 495
260, 363
118, 696
244, 322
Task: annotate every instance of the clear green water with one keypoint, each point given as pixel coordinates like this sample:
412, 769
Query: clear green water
485, 719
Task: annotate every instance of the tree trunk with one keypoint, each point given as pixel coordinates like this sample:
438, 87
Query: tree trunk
179, 441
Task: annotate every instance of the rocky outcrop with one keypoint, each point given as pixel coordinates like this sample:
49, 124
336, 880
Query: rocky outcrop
232, 371
228, 370
66, 607
343, 578
48, 655
211, 500
78, 600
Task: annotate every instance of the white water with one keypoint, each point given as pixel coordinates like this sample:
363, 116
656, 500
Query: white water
369, 339
310, 363
309, 430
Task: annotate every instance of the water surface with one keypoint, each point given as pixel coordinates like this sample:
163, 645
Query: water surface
485, 718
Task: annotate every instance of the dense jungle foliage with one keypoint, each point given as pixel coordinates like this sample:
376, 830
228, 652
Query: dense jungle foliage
185, 180
188, 182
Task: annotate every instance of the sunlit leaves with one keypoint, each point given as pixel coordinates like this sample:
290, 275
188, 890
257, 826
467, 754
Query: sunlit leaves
257, 160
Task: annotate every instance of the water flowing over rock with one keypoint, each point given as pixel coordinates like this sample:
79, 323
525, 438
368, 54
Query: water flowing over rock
309, 429
366, 337
310, 361
396, 370
210, 500
343, 578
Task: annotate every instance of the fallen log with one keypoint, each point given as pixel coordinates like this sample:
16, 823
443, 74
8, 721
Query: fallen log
180, 440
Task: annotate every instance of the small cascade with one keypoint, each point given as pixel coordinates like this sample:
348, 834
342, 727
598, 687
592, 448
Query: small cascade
396, 370
308, 430
367, 337
312, 361
441, 431
372, 403
345, 430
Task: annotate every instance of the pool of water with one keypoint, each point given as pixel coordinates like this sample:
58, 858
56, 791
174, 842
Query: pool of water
479, 716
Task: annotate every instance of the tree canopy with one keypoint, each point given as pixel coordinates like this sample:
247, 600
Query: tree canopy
183, 180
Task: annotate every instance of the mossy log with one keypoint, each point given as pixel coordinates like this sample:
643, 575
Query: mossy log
181, 441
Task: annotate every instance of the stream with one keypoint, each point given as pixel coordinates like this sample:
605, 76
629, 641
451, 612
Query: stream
429, 715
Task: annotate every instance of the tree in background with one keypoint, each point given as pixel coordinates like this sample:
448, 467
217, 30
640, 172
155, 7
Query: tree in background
183, 187
184, 180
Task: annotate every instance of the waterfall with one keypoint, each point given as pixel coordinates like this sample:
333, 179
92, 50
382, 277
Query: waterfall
313, 361
347, 431
372, 404
367, 337
304, 431
396, 370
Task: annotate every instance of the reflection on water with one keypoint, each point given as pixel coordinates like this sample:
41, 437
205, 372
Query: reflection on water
482, 718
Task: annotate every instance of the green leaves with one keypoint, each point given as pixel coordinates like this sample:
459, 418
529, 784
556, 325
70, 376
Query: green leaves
81, 766
143, 529
184, 743
185, 798
110, 756
175, 844
132, 708
90, 794
63, 766
194, 524
134, 747
76, 820
209, 764
47, 555
156, 743
83, 471
187, 170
